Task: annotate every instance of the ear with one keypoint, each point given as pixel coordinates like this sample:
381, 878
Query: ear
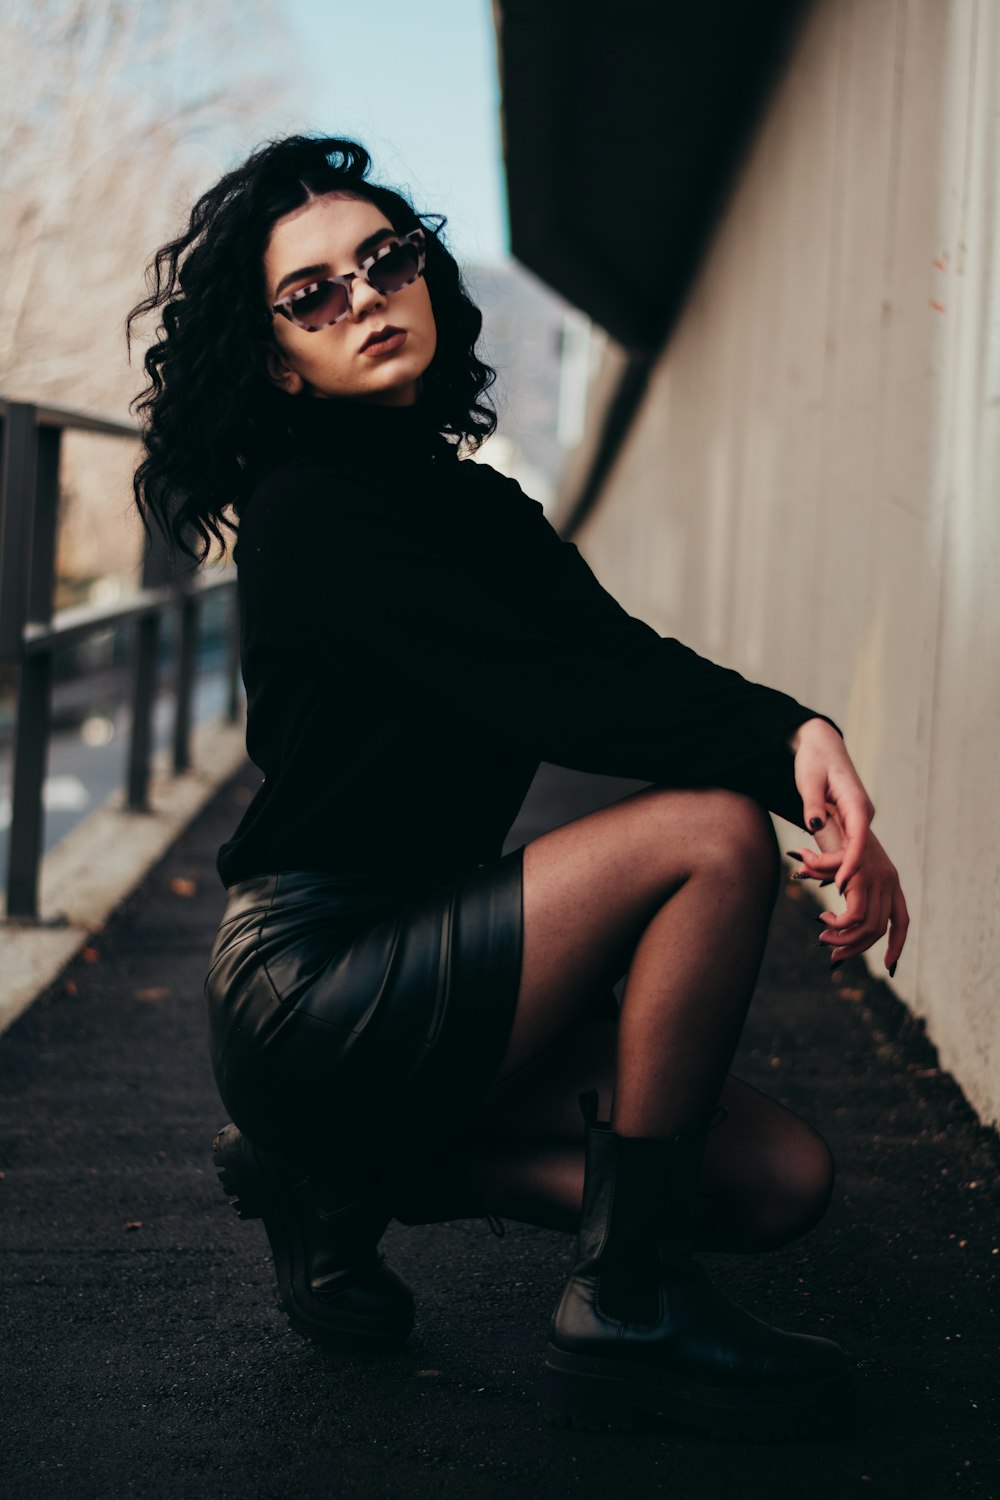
287, 379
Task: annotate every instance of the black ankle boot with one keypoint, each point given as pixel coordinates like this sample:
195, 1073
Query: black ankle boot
640, 1328
332, 1280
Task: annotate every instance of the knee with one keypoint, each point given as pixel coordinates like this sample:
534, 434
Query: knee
801, 1194
816, 1190
742, 838
814, 1184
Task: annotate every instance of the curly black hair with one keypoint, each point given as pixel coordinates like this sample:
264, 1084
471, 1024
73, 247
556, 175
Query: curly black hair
211, 416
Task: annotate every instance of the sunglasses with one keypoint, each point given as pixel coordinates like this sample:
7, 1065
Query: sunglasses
393, 265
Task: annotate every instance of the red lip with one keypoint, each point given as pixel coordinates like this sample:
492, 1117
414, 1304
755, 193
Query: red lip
379, 335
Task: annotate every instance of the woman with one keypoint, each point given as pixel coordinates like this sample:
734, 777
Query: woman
402, 1019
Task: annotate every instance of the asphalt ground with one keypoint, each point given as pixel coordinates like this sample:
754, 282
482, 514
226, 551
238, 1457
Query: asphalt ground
144, 1355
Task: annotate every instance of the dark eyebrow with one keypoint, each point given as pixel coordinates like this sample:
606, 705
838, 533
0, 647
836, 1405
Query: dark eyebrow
371, 240
368, 243
322, 270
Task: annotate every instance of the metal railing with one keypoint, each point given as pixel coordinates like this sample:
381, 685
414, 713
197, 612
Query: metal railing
30, 633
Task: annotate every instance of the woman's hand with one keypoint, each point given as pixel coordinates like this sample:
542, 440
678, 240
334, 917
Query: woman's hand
874, 899
826, 779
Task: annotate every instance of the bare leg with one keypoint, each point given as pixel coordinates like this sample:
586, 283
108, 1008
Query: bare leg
679, 887
689, 986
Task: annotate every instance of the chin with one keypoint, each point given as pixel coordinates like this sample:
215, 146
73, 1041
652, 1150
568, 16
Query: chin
399, 385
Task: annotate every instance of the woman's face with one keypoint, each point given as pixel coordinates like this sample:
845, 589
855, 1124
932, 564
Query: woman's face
322, 238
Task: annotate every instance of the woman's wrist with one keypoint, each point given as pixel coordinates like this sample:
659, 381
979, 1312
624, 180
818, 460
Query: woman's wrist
809, 729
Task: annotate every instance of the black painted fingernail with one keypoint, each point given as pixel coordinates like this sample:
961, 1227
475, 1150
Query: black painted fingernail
836, 965
892, 969
815, 823
818, 919
826, 882
842, 888
793, 854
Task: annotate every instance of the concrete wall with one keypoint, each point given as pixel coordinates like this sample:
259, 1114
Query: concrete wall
810, 492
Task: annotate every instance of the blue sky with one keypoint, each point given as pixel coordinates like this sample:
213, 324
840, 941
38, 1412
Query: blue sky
417, 85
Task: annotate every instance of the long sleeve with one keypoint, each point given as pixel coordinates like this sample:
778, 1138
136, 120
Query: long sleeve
506, 626
578, 601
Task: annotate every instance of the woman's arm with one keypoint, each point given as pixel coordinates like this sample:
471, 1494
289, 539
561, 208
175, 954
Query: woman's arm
835, 806
578, 604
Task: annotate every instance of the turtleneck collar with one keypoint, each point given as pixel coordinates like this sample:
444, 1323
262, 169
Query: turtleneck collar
363, 431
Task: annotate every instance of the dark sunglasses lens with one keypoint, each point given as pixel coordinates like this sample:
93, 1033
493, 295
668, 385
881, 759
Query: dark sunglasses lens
321, 306
395, 269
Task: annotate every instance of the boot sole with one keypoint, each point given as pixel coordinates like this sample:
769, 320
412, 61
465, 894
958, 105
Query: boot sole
593, 1393
257, 1193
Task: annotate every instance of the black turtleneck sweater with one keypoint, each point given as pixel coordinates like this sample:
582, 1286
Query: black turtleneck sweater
416, 638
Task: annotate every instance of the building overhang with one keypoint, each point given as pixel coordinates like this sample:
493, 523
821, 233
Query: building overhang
622, 127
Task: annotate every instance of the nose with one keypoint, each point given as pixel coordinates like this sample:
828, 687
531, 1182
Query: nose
365, 298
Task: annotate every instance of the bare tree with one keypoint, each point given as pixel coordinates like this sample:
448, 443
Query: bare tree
113, 115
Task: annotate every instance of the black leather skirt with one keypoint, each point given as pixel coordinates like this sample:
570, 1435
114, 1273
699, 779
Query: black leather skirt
362, 1017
